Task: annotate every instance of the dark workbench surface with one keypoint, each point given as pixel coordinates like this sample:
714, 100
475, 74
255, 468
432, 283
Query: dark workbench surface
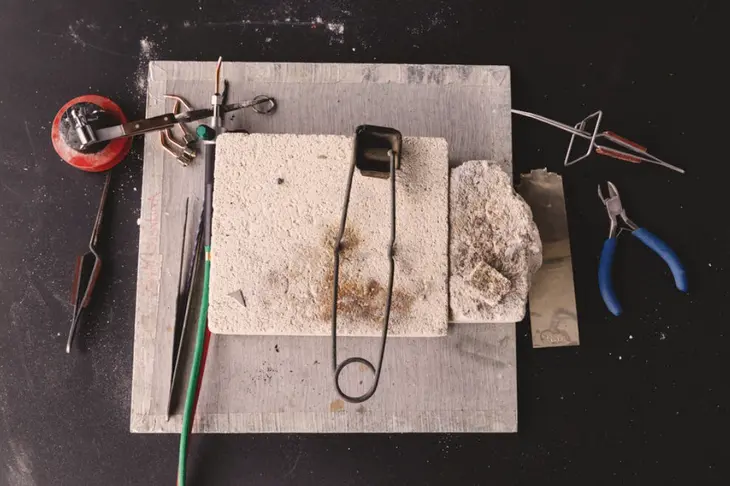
642, 399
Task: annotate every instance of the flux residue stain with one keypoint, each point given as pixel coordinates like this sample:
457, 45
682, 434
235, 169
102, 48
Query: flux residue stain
359, 299
350, 239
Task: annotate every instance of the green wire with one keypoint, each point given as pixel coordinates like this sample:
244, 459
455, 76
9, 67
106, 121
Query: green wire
192, 383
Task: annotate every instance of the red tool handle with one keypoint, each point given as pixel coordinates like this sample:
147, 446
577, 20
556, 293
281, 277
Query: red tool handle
624, 141
617, 154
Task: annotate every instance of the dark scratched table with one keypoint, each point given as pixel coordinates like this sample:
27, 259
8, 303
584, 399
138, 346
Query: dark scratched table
643, 399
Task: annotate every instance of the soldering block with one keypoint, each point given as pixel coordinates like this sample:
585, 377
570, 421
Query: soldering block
276, 214
495, 246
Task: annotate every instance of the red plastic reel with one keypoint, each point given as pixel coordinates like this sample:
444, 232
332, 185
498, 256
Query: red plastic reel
105, 159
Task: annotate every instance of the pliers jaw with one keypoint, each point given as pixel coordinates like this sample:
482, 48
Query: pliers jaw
615, 210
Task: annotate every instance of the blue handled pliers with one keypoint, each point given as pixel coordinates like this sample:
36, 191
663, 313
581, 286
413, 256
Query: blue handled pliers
615, 210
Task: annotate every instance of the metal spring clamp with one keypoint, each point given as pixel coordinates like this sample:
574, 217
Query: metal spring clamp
377, 153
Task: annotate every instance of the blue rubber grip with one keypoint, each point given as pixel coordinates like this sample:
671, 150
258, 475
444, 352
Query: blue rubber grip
605, 284
667, 254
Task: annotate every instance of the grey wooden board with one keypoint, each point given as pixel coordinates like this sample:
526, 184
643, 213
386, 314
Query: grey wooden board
465, 382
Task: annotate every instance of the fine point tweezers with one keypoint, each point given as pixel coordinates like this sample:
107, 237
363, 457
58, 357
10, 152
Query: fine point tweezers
184, 304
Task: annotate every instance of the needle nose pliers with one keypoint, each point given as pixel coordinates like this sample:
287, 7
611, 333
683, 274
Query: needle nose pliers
615, 211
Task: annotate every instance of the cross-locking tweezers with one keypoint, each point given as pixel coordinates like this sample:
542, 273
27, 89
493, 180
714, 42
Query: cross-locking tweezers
627, 150
88, 268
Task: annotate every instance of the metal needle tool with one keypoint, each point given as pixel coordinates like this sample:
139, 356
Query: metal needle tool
177, 330
88, 267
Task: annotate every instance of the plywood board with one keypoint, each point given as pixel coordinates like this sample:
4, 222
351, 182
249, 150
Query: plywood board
465, 382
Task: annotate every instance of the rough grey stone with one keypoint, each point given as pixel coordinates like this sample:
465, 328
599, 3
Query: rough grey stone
495, 246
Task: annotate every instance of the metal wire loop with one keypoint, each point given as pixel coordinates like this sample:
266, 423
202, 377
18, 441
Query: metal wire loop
265, 105
337, 368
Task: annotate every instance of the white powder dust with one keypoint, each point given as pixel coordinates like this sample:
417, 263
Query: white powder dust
337, 32
148, 51
146, 47
81, 26
20, 465
337, 28
73, 32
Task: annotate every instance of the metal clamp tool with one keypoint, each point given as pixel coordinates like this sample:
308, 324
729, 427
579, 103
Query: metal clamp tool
89, 131
377, 153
